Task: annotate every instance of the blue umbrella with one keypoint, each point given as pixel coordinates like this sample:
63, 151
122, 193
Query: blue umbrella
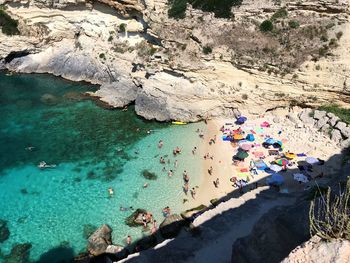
241, 120
275, 179
270, 141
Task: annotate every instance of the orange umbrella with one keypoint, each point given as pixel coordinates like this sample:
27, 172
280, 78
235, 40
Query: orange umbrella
238, 137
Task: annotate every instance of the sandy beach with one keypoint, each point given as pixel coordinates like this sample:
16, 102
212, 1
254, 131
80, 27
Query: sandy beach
296, 138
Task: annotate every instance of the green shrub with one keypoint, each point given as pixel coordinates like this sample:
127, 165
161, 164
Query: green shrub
266, 26
280, 13
339, 35
207, 50
342, 113
329, 215
7, 24
293, 24
102, 56
220, 8
122, 27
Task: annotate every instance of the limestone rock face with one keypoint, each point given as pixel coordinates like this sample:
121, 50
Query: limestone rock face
316, 251
117, 94
319, 114
100, 240
336, 135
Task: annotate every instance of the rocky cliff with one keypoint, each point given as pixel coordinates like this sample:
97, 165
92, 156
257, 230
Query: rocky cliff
200, 66
315, 250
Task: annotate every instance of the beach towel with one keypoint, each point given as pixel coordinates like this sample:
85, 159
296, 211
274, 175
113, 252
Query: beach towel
284, 140
244, 170
260, 165
258, 154
301, 154
252, 131
259, 130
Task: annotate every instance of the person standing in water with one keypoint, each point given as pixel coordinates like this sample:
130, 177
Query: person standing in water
175, 164
128, 240
186, 187
160, 144
170, 173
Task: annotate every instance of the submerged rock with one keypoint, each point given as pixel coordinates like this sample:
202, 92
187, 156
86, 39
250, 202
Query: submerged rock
99, 241
171, 226
49, 99
88, 230
135, 219
19, 254
188, 214
4, 231
149, 175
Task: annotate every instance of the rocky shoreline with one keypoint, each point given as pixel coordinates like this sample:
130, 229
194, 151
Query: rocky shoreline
138, 54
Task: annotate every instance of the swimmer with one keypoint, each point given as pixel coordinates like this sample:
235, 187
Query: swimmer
29, 148
110, 191
160, 144
128, 240
145, 185
170, 173
175, 164
185, 188
194, 150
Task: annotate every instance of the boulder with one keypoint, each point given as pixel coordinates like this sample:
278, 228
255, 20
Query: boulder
4, 231
99, 241
118, 93
276, 119
49, 99
292, 118
316, 250
88, 230
113, 249
336, 135
340, 126
171, 226
19, 253
135, 219
321, 122
345, 143
330, 115
325, 128
306, 116
188, 214
333, 120
319, 114
346, 132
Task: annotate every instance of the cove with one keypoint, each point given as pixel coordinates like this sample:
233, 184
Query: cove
94, 149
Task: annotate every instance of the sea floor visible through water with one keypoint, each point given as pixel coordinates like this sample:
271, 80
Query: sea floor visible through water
94, 149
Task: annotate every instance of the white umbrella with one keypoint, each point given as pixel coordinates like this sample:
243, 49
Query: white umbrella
275, 167
300, 178
311, 160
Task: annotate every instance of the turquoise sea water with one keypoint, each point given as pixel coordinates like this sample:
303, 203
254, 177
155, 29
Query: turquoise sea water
94, 149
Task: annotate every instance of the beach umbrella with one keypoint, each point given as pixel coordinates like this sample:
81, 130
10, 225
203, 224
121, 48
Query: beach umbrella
245, 146
238, 137
265, 124
275, 168
311, 160
282, 162
242, 155
241, 120
270, 141
250, 137
275, 179
290, 156
300, 178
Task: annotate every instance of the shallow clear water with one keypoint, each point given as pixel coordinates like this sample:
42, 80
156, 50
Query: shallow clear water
94, 149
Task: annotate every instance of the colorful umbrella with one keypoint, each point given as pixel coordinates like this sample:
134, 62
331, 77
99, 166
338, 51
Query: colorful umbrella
282, 162
241, 155
275, 168
238, 137
241, 120
311, 160
245, 146
290, 156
